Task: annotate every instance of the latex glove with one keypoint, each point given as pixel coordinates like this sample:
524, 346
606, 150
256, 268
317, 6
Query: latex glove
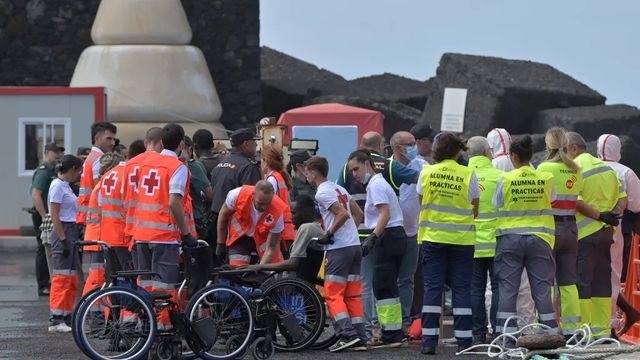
66, 247
609, 218
326, 239
189, 241
368, 244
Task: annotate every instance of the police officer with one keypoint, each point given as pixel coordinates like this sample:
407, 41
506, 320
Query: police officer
42, 178
238, 168
603, 198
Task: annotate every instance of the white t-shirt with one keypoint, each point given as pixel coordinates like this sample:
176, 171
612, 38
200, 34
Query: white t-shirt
232, 198
60, 193
410, 201
178, 181
327, 194
272, 180
95, 167
380, 192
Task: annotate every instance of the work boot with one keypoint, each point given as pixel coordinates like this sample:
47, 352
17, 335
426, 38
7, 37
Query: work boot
428, 350
479, 339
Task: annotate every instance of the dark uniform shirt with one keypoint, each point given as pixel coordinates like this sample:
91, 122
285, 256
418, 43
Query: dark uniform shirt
42, 178
199, 183
210, 160
235, 170
301, 188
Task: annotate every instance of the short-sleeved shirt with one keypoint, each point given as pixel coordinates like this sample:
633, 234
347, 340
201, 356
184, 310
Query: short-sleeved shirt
379, 193
199, 182
42, 178
95, 167
231, 200
303, 241
60, 193
235, 170
329, 193
178, 181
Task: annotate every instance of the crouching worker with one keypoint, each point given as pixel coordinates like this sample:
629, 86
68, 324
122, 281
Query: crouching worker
306, 253
251, 221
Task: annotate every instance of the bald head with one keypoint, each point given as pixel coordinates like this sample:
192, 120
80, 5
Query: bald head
576, 144
262, 195
401, 138
372, 141
478, 146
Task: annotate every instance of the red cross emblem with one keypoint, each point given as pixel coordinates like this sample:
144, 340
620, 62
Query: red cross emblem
151, 182
343, 199
109, 183
133, 179
268, 219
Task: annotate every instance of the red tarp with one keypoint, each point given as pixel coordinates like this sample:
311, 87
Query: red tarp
332, 114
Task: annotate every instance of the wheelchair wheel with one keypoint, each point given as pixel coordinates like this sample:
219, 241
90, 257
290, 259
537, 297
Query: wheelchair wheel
299, 310
327, 338
262, 349
75, 325
218, 314
116, 323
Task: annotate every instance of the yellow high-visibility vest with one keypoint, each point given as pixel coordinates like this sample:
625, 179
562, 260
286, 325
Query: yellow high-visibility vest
488, 177
446, 215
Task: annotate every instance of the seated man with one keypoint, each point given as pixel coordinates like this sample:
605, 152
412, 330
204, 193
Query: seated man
306, 254
251, 221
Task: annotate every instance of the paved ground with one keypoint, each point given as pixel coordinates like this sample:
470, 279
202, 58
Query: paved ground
23, 323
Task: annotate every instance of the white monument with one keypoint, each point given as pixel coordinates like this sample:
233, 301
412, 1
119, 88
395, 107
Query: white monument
151, 74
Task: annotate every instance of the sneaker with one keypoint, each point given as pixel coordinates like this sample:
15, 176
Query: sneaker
344, 344
359, 347
59, 328
44, 292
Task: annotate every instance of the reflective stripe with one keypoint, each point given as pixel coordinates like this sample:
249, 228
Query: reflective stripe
387, 302
111, 201
83, 208
430, 309
93, 220
237, 257
505, 315
84, 191
563, 212
485, 216
571, 320
64, 272
130, 219
113, 214
149, 207
526, 229
547, 317
282, 185
156, 225
567, 197
359, 197
336, 279
163, 285
452, 227
236, 225
485, 246
447, 209
353, 278
341, 316
517, 213
585, 222
96, 266
357, 320
595, 171
430, 332
462, 333
131, 203
461, 311
59, 312
391, 327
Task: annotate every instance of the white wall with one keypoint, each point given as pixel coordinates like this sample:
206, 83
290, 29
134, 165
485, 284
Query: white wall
14, 189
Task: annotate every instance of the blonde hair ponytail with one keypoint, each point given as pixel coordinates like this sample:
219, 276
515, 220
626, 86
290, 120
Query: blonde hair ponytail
556, 141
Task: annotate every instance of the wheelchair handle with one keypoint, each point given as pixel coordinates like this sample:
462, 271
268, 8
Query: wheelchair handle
102, 244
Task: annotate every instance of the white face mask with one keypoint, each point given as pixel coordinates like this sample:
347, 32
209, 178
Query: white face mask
367, 175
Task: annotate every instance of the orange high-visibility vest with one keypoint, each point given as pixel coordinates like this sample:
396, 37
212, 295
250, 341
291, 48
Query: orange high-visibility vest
241, 221
154, 221
188, 216
289, 232
86, 185
112, 207
130, 189
92, 229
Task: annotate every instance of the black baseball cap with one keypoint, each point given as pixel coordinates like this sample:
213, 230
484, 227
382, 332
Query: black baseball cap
299, 156
83, 150
53, 147
422, 131
239, 136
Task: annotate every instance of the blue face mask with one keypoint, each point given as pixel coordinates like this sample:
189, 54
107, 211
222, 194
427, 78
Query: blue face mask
412, 152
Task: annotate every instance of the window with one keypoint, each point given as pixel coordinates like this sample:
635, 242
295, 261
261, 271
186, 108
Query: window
34, 134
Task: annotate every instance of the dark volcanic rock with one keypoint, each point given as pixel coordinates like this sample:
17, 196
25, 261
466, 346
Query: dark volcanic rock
541, 341
590, 121
395, 88
504, 93
396, 116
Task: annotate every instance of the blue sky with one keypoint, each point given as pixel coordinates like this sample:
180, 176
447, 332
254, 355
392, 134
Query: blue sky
596, 42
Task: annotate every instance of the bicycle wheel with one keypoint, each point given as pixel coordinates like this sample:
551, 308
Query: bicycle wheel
217, 314
75, 325
299, 311
116, 323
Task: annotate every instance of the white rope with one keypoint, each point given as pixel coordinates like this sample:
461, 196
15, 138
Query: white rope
579, 346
